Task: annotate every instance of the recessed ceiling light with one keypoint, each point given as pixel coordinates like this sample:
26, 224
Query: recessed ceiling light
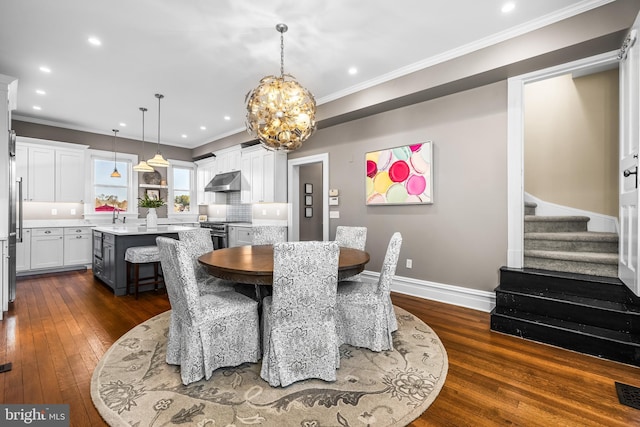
124, 125
353, 71
508, 7
40, 92
45, 69
183, 135
203, 128
95, 41
227, 118
37, 107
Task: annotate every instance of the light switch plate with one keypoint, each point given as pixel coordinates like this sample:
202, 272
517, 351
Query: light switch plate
334, 214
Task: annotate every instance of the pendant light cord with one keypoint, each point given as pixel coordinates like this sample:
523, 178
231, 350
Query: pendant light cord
159, 96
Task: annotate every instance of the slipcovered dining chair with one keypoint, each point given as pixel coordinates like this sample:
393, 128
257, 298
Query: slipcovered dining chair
352, 237
269, 234
206, 332
198, 243
299, 327
364, 310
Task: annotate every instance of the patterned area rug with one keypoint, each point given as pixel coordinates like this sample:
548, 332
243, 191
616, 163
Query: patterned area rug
133, 385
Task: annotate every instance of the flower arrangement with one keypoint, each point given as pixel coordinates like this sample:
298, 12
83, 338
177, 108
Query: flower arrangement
147, 202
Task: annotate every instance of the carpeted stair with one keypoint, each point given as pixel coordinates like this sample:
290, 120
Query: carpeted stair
562, 243
593, 315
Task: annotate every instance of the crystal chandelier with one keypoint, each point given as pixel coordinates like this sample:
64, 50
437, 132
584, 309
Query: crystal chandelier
115, 173
142, 166
281, 113
158, 161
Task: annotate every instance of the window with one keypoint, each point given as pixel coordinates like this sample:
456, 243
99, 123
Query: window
106, 193
182, 186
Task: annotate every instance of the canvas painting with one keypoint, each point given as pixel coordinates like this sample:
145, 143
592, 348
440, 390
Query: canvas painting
400, 175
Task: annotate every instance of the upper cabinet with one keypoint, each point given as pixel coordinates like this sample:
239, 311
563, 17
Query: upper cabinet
227, 160
206, 170
264, 175
50, 171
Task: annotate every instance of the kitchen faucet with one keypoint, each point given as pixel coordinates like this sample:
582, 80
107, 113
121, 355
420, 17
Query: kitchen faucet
115, 216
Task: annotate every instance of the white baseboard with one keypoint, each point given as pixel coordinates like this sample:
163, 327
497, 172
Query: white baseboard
449, 294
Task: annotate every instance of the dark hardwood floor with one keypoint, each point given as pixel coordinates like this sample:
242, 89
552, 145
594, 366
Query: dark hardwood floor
60, 326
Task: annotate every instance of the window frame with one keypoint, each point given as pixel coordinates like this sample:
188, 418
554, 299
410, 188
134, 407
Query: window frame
193, 206
132, 183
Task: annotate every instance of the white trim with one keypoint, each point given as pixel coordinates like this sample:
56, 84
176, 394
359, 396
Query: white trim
293, 196
181, 164
515, 147
25, 140
132, 185
449, 294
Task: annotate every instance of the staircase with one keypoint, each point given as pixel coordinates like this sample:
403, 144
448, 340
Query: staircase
568, 294
562, 243
599, 316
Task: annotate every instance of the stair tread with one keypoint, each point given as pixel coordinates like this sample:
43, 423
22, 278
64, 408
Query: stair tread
547, 274
578, 300
592, 257
566, 325
565, 218
582, 236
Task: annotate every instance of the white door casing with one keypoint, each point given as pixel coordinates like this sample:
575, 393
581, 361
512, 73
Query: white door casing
629, 148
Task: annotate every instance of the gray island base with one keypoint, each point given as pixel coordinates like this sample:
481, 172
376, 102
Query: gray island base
110, 244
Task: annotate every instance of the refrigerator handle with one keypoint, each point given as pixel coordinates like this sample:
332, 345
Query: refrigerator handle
19, 182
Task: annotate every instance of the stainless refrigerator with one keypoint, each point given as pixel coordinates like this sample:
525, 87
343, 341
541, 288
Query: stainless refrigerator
15, 214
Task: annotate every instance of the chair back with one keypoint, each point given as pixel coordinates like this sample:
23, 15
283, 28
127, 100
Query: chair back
198, 242
269, 234
390, 263
179, 279
351, 237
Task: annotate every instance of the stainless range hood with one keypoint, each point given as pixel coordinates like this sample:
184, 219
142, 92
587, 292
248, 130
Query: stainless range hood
224, 182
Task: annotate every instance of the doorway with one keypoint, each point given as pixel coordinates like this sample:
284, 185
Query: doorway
515, 144
299, 176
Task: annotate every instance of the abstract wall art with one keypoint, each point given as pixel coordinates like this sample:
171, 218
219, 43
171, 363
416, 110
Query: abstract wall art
401, 175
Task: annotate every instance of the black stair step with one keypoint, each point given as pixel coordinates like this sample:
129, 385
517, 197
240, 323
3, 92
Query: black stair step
589, 311
600, 342
604, 288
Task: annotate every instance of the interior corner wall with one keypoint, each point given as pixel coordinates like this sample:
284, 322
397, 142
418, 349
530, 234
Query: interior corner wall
460, 239
310, 226
571, 141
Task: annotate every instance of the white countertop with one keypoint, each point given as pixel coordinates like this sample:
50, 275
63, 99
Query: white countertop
134, 230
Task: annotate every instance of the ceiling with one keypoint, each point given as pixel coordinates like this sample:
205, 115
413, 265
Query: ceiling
204, 56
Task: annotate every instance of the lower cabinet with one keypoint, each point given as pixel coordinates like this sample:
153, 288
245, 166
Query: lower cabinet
77, 246
240, 236
23, 251
109, 259
47, 248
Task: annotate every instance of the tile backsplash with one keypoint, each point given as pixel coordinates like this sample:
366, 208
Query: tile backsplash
236, 211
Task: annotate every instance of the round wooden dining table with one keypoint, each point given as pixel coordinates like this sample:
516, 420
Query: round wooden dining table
254, 264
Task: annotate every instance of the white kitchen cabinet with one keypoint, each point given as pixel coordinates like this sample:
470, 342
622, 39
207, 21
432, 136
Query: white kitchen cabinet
47, 248
23, 251
264, 176
77, 246
69, 179
228, 160
51, 171
206, 170
240, 235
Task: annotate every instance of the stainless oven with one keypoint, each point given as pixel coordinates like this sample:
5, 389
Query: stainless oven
219, 234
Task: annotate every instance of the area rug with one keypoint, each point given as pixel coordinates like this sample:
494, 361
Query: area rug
134, 386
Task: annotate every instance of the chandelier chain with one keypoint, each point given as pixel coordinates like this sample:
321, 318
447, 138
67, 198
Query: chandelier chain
282, 54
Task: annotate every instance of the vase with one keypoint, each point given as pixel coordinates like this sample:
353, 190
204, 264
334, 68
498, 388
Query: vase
152, 218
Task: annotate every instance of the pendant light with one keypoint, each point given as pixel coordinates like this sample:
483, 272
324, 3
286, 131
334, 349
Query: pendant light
158, 161
142, 166
281, 113
115, 173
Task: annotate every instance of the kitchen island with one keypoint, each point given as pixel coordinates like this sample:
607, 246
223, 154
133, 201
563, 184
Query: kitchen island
110, 244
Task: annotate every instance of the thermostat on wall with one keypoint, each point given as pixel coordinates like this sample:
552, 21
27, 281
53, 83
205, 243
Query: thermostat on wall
333, 201
333, 192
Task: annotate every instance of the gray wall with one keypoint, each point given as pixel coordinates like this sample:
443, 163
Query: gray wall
311, 228
461, 239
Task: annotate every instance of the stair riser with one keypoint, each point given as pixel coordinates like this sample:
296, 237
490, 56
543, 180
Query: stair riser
509, 303
596, 346
529, 210
554, 226
593, 269
523, 281
570, 246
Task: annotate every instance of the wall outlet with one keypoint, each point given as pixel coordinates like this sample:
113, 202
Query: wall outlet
54, 211
73, 211
409, 263
277, 212
264, 211
334, 214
